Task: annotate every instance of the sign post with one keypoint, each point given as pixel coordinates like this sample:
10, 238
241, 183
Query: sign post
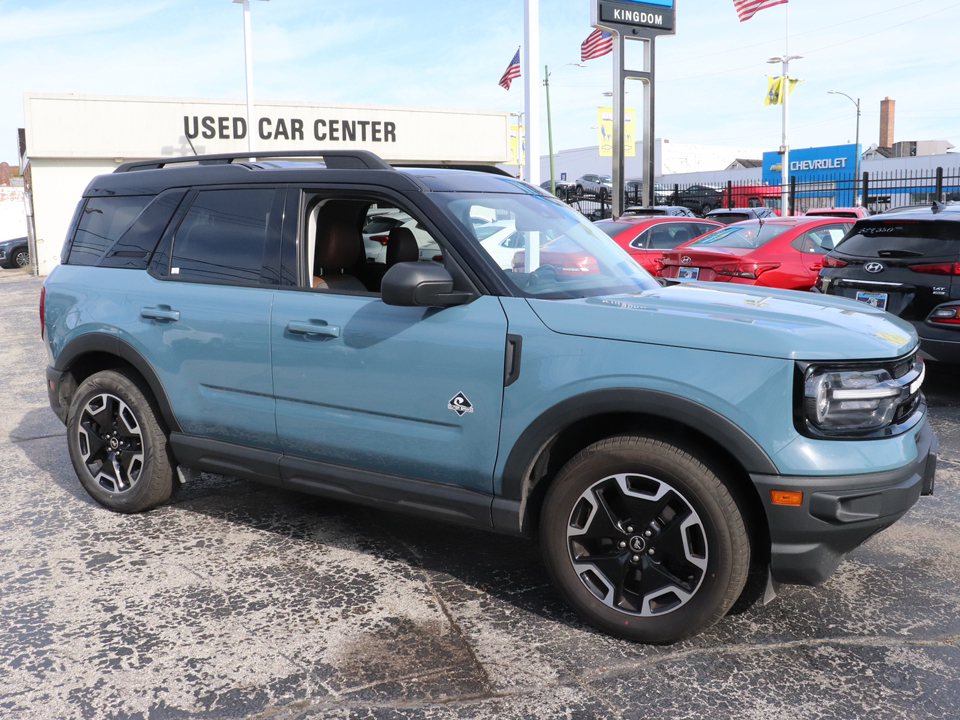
627, 20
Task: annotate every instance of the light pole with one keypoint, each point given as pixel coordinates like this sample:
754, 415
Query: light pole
546, 84
248, 57
856, 164
784, 60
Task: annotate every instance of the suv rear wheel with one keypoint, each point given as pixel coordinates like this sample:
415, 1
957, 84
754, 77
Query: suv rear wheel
118, 448
644, 540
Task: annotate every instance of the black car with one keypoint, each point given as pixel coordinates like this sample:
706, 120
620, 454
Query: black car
700, 198
633, 192
563, 188
732, 215
14, 253
906, 263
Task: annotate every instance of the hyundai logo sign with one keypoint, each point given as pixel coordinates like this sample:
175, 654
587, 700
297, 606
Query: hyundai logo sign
873, 267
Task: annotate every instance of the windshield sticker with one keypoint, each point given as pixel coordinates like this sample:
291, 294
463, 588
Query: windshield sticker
460, 405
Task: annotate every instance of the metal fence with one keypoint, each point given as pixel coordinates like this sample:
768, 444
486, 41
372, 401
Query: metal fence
875, 191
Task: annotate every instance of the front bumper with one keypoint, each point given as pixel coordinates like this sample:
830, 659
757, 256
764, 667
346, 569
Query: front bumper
839, 513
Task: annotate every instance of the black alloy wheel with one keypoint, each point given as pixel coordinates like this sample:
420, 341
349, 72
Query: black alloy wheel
117, 445
644, 540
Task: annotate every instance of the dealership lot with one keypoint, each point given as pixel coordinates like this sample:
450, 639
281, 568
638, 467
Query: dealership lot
241, 601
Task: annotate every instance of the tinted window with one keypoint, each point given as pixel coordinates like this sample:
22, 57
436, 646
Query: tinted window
136, 245
741, 236
903, 238
223, 235
613, 228
102, 222
729, 217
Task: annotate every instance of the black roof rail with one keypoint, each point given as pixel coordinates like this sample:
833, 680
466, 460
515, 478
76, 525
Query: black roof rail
491, 169
336, 159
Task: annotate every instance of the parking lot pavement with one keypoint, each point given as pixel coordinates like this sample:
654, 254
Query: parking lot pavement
241, 601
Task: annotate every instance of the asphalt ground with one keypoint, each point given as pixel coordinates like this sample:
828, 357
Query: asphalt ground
241, 601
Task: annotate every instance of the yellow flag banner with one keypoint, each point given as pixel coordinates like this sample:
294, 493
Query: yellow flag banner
605, 132
775, 95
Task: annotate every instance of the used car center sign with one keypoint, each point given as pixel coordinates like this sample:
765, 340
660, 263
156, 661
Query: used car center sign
625, 14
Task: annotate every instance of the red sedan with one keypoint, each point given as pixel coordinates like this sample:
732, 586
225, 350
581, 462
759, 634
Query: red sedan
780, 252
646, 237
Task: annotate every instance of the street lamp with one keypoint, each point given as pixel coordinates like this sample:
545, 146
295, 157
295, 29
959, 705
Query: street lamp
784, 60
546, 83
248, 57
856, 171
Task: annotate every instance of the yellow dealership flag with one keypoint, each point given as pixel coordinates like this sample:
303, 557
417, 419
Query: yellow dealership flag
605, 132
775, 94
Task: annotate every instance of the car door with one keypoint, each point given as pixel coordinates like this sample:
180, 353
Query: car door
202, 314
389, 395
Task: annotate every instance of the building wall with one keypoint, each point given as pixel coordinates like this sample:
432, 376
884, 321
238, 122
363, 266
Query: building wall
13, 214
57, 185
669, 158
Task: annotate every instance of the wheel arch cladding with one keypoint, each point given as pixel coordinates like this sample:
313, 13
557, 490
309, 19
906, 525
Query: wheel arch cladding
92, 352
561, 432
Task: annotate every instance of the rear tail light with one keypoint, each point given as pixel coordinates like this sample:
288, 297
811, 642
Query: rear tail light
751, 270
938, 268
947, 316
43, 299
830, 261
382, 239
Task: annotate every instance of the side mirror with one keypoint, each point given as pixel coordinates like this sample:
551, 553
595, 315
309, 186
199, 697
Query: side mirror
420, 284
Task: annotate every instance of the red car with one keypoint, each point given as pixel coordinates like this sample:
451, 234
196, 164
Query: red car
646, 237
780, 252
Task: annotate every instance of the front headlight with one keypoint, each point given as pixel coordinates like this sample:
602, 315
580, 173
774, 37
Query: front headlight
839, 401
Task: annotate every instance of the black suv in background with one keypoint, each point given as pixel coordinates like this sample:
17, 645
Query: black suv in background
907, 263
700, 198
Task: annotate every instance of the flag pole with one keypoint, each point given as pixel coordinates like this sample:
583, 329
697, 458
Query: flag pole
785, 87
784, 60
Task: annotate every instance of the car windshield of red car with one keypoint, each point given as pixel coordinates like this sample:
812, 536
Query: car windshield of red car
743, 235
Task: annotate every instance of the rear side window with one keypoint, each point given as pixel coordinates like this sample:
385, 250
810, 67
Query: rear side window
102, 222
136, 245
223, 236
903, 238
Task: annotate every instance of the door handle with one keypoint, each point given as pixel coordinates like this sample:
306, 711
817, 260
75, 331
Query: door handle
160, 312
299, 327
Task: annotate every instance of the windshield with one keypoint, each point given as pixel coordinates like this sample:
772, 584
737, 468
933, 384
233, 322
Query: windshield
743, 235
557, 253
606, 179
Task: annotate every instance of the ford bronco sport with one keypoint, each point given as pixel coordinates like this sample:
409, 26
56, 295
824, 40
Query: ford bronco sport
219, 314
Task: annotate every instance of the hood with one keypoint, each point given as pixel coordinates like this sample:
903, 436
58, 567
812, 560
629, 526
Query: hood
738, 319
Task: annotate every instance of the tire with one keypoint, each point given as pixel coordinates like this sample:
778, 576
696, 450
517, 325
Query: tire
603, 194
704, 209
21, 257
117, 445
579, 191
644, 540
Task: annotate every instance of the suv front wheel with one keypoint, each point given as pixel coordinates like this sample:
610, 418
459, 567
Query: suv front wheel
117, 446
644, 540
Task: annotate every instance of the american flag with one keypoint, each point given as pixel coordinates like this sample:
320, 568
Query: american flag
512, 71
746, 9
597, 44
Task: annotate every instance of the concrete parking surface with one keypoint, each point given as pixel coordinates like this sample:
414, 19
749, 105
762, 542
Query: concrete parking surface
240, 601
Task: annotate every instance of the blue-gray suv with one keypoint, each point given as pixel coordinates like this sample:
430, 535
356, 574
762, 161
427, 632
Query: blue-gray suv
667, 444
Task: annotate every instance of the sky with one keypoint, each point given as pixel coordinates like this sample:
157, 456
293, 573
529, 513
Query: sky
710, 76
